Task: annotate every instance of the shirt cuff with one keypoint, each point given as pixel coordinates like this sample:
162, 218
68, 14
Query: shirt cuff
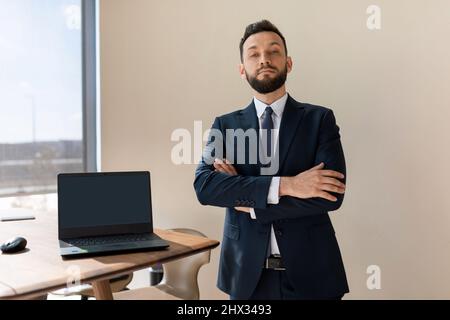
252, 213
272, 197
274, 191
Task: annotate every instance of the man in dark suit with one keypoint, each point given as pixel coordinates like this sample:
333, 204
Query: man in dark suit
278, 240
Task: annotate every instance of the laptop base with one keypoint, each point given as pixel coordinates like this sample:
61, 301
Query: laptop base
68, 250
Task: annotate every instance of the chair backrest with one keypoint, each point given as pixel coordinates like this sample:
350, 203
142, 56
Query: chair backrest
180, 276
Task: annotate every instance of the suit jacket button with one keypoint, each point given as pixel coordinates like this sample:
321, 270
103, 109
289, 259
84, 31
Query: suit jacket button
279, 233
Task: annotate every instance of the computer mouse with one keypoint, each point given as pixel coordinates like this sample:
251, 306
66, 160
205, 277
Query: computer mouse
14, 245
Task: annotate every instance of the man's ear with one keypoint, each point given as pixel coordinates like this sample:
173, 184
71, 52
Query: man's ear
289, 64
242, 71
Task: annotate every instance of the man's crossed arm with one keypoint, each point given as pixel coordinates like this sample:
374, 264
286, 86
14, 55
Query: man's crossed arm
315, 182
314, 191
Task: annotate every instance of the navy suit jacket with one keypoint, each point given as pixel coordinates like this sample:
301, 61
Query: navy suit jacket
305, 235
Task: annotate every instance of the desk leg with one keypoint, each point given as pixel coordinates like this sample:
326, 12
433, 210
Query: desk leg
102, 290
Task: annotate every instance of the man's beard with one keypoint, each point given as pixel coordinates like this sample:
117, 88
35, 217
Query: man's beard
267, 85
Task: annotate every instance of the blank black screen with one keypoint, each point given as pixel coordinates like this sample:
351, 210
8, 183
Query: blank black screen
93, 200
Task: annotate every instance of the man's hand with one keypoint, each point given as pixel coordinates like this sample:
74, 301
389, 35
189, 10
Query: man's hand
227, 167
224, 167
311, 183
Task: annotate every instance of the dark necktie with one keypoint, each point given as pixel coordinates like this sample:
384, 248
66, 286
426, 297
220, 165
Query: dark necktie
267, 124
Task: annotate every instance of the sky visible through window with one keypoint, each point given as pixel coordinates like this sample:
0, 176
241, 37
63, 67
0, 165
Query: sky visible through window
40, 93
40, 69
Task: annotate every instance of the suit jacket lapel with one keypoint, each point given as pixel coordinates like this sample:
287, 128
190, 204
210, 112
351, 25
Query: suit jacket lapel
292, 116
248, 119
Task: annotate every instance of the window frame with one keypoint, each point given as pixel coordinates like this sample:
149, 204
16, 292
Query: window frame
89, 85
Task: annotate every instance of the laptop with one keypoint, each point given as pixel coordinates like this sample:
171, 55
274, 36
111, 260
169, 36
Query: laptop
105, 213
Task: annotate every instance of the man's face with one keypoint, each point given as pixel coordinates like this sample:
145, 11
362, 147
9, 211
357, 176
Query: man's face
265, 64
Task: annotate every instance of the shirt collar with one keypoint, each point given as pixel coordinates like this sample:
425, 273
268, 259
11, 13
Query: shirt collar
277, 106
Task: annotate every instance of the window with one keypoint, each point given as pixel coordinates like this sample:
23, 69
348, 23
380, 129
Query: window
47, 92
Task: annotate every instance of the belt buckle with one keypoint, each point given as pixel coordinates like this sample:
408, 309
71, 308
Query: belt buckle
276, 256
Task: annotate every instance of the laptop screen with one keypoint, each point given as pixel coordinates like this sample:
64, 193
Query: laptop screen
95, 204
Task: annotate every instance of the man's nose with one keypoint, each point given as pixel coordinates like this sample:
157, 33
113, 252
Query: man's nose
265, 60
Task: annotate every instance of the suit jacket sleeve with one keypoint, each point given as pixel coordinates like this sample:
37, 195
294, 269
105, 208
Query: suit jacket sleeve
223, 190
329, 151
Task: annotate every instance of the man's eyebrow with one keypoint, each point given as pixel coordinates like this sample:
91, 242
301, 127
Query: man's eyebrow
272, 43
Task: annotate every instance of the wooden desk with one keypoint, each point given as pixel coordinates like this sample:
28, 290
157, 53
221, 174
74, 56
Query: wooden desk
40, 269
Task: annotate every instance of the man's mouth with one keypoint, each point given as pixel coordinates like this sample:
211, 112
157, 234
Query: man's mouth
266, 70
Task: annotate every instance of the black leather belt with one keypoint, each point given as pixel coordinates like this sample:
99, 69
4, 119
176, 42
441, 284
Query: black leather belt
274, 262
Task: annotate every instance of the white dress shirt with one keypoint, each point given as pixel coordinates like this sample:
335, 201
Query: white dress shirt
273, 196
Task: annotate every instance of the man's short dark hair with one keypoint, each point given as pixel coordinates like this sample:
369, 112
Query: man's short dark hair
260, 26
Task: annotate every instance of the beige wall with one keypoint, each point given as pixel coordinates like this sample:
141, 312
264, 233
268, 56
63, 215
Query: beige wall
165, 64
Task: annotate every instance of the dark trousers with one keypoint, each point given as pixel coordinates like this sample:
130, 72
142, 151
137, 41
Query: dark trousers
274, 285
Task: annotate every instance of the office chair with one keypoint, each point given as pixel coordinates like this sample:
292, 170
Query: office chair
179, 280
86, 291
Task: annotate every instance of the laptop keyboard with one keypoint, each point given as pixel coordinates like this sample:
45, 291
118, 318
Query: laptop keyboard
93, 241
